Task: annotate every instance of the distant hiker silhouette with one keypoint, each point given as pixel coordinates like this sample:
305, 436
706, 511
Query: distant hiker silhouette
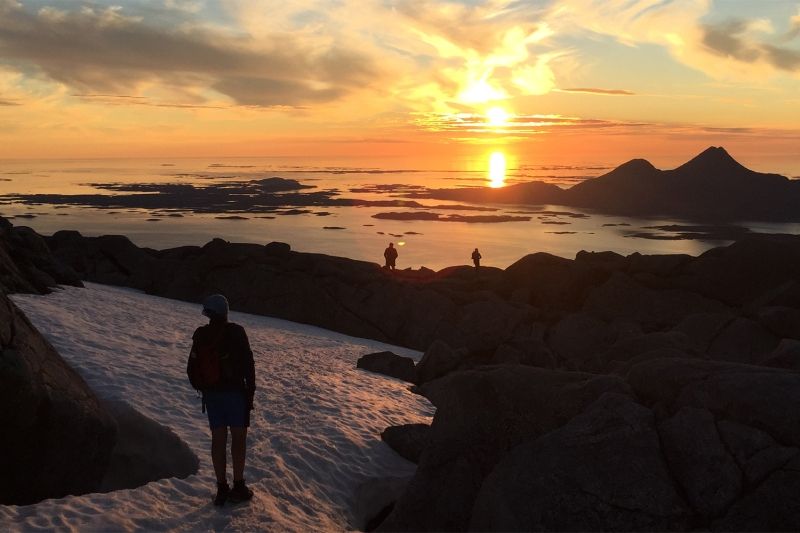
390, 254
476, 258
221, 367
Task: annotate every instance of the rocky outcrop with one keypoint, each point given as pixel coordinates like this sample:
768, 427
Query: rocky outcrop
575, 478
481, 415
57, 438
675, 445
408, 440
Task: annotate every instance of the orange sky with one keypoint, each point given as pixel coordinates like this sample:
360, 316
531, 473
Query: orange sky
585, 80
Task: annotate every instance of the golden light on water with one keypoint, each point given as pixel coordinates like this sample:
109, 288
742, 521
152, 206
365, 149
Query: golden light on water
497, 169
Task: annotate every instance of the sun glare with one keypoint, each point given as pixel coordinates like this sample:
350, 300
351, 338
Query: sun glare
497, 117
497, 169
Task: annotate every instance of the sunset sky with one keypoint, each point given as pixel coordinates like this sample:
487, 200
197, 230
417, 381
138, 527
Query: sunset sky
546, 80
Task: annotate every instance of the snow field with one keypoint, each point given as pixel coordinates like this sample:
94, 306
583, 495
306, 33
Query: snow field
315, 430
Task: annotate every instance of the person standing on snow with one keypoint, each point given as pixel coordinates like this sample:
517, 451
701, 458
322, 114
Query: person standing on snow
221, 366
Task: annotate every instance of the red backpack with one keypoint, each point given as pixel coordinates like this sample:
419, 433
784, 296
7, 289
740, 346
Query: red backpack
206, 371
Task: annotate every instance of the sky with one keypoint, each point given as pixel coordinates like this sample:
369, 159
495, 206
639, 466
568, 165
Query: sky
550, 81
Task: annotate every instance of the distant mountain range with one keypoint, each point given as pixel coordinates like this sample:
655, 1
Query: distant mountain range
712, 186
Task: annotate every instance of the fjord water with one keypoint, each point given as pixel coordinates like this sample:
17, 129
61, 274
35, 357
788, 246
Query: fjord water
338, 230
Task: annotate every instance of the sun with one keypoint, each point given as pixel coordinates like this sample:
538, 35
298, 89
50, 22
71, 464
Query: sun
497, 117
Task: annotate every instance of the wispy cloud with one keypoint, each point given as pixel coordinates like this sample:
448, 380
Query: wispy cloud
131, 100
519, 125
594, 90
733, 39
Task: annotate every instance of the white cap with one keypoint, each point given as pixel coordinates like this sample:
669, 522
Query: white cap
216, 305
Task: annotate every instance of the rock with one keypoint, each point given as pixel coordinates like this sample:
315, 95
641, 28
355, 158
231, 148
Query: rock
602, 471
57, 437
481, 414
783, 322
606, 260
746, 270
579, 337
742, 341
771, 506
639, 347
389, 364
754, 396
660, 266
438, 360
408, 440
554, 283
26, 264
697, 457
756, 453
785, 355
702, 328
279, 249
374, 499
622, 298
531, 351
145, 451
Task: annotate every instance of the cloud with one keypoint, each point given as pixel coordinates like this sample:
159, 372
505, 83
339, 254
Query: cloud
749, 47
518, 125
594, 90
111, 51
726, 40
734, 39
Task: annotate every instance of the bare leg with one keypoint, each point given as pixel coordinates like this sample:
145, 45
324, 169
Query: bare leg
219, 445
238, 451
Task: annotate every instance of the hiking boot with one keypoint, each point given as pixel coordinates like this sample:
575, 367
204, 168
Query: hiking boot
239, 492
223, 490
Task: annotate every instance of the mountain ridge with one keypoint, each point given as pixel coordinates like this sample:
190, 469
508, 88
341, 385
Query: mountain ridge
710, 186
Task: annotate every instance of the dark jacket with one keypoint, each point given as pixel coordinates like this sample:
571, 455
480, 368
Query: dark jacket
238, 367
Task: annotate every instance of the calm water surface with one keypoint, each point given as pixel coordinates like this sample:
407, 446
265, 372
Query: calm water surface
420, 243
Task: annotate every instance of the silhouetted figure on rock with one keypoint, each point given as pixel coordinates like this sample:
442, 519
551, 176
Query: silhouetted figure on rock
221, 366
390, 254
476, 258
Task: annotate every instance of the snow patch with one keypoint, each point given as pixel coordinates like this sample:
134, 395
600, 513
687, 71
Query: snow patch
314, 436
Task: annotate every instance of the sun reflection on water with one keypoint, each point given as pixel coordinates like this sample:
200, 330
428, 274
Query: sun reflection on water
497, 169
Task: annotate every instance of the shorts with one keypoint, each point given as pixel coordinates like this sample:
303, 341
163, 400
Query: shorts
227, 408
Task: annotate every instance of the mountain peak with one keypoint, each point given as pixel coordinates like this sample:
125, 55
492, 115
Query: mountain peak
637, 165
713, 158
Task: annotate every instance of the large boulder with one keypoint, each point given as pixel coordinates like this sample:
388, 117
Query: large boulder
754, 396
602, 471
58, 439
698, 458
703, 328
553, 283
622, 298
785, 355
781, 321
481, 415
771, 506
389, 364
746, 270
579, 337
438, 360
742, 341
640, 347
408, 440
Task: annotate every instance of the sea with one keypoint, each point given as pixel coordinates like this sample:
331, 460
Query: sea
348, 231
